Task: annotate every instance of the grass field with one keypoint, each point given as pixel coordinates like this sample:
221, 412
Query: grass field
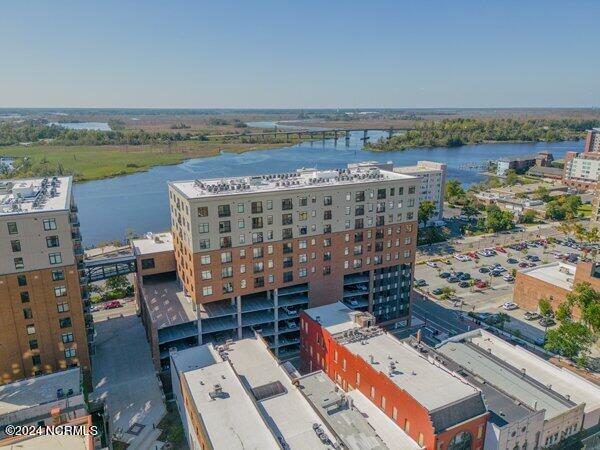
585, 210
95, 162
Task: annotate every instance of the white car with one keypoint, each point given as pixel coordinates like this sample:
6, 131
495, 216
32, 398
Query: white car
508, 278
462, 258
509, 306
431, 264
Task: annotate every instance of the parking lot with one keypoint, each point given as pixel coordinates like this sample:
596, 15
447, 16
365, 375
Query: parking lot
499, 289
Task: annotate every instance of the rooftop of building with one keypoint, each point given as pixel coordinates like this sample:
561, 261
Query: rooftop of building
422, 166
334, 317
532, 380
35, 195
301, 179
167, 303
288, 413
48, 442
153, 243
545, 170
39, 390
229, 415
194, 358
349, 424
556, 273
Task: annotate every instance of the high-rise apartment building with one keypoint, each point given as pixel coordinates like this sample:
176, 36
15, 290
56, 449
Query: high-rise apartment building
42, 319
252, 251
592, 142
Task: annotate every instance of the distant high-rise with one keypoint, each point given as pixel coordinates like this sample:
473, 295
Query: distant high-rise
43, 324
592, 142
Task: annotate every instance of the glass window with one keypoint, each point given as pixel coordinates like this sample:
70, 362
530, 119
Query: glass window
70, 352
240, 208
52, 241
15, 245
22, 280
206, 275
65, 322
204, 244
205, 259
203, 228
60, 291
19, 263
55, 258
33, 344
224, 211
12, 228
327, 200
27, 313
203, 211
226, 257
256, 207
286, 204
207, 290
148, 263
24, 297
62, 307
30, 329
67, 337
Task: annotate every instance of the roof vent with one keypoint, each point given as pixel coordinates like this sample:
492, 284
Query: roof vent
217, 392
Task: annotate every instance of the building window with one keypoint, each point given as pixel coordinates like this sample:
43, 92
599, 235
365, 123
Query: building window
240, 208
286, 204
257, 222
12, 228
380, 194
52, 241
15, 245
225, 226
226, 257
206, 275
33, 344
257, 252
259, 282
30, 329
58, 275
227, 272
383, 403
373, 392
406, 426
257, 208
224, 211
302, 258
70, 352
358, 376
36, 360
62, 307
225, 242
326, 242
27, 313
24, 297
412, 189
422, 441
207, 290
205, 259
395, 413
55, 258
461, 440
64, 322
327, 200
288, 277
302, 272
19, 263
286, 233
302, 244
327, 270
22, 280
227, 288
203, 211
203, 228
204, 244
148, 263
60, 291
327, 214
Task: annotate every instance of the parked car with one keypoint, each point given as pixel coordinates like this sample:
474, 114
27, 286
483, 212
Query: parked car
523, 264
511, 261
445, 275
508, 278
480, 284
509, 306
420, 283
431, 264
495, 273
463, 284
464, 277
113, 304
500, 249
462, 258
452, 279
437, 291
483, 270
547, 321
473, 256
531, 315
533, 258
95, 309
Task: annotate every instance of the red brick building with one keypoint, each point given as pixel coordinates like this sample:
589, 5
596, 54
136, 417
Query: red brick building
437, 408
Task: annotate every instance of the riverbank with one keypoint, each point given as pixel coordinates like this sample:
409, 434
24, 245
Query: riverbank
88, 162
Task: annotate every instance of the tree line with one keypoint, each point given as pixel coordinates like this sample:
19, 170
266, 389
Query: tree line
457, 132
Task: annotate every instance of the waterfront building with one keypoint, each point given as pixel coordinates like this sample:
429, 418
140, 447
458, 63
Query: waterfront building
45, 320
592, 141
569, 402
252, 251
582, 170
436, 407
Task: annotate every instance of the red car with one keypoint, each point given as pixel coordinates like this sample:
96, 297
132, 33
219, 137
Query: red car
500, 249
481, 284
473, 256
113, 304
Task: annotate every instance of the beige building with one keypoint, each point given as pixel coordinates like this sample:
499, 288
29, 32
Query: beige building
42, 319
252, 251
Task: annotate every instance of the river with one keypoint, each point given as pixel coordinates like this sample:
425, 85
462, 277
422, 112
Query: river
140, 201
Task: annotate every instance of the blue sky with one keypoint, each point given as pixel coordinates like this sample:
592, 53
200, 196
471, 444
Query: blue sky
328, 53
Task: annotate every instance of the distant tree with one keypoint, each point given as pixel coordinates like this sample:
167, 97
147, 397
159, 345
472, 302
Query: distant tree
569, 339
426, 211
117, 282
542, 193
453, 190
469, 210
564, 312
512, 178
447, 293
588, 300
498, 220
528, 216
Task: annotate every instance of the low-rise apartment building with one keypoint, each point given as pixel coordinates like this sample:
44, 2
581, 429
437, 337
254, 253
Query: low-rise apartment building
44, 310
569, 402
436, 407
239, 395
553, 282
252, 251
582, 170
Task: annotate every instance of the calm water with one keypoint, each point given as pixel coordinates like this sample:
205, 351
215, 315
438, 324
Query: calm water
100, 126
139, 201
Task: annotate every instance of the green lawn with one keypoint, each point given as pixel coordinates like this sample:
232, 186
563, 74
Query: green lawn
585, 210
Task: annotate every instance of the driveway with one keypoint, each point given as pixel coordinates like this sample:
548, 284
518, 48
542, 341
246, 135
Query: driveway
124, 377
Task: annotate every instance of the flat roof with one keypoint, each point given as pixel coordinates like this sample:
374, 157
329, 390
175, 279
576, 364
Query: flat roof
481, 355
557, 274
289, 414
38, 390
300, 179
153, 243
167, 303
430, 384
562, 380
47, 442
349, 424
231, 419
194, 357
334, 317
33, 195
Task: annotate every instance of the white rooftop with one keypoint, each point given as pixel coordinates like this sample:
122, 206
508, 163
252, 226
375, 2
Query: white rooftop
194, 358
301, 179
48, 442
334, 317
427, 382
231, 420
558, 274
38, 390
34, 195
290, 414
153, 243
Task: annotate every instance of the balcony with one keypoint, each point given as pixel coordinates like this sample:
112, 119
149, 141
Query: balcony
76, 235
78, 250
74, 220
74, 208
